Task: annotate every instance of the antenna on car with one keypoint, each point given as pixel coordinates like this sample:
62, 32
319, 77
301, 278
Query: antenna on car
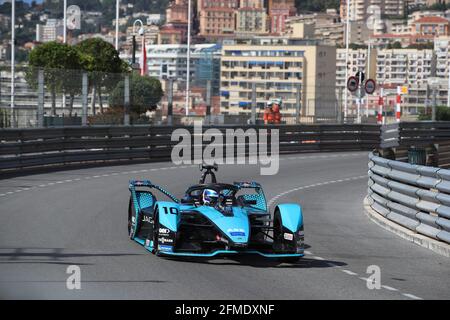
208, 170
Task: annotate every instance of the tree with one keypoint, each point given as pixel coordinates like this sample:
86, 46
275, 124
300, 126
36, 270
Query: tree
104, 65
145, 93
442, 114
58, 62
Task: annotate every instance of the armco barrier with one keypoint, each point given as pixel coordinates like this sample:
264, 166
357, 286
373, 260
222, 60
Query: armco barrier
24, 148
415, 197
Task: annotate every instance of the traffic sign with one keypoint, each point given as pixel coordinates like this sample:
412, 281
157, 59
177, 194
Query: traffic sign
352, 84
370, 86
360, 76
404, 90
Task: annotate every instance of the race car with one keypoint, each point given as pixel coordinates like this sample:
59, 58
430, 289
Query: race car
214, 219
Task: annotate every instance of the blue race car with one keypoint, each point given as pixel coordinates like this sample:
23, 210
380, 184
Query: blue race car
214, 219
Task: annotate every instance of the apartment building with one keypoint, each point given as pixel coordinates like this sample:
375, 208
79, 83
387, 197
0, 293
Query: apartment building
361, 10
279, 11
431, 26
251, 18
170, 62
51, 31
279, 68
327, 26
217, 19
403, 66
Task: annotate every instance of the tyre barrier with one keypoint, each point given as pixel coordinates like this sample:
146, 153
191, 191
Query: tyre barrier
413, 196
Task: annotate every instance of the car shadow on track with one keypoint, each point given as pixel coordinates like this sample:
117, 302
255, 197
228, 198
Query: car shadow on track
261, 262
49, 256
256, 261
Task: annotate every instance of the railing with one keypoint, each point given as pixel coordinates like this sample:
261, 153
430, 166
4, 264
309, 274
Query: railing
415, 197
26, 148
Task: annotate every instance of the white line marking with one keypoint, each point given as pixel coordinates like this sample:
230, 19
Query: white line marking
349, 272
318, 258
312, 186
411, 296
389, 288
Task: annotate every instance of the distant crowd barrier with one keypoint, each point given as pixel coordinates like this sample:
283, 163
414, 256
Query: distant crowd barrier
27, 148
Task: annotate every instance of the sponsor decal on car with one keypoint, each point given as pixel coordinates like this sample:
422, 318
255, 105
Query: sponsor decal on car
146, 219
165, 248
164, 231
289, 236
165, 240
236, 232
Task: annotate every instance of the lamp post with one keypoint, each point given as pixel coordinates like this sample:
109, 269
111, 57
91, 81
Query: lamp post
347, 43
188, 71
141, 32
117, 24
65, 22
13, 59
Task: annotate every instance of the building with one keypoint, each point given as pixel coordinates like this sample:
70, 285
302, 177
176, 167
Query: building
327, 26
51, 31
177, 11
362, 10
279, 68
217, 19
151, 33
251, 18
176, 28
431, 26
169, 61
279, 11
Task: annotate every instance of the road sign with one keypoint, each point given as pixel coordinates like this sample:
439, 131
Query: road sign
360, 76
352, 84
404, 90
370, 86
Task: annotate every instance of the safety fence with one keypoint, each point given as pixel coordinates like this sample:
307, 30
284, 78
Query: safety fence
26, 148
413, 196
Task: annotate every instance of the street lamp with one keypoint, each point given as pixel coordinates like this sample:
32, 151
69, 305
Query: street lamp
188, 70
117, 24
141, 33
347, 43
13, 59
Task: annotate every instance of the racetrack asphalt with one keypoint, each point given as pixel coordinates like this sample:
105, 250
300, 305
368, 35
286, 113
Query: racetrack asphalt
49, 221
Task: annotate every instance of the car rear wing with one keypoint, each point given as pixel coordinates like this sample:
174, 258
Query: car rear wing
148, 184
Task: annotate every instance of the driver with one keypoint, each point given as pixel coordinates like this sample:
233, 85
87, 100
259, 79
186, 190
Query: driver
210, 197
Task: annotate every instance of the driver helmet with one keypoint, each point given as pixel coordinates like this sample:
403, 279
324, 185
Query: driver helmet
210, 197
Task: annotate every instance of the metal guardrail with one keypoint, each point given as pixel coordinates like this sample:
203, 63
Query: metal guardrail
23, 148
415, 197
414, 133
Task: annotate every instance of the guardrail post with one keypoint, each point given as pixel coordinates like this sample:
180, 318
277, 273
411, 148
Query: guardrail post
253, 119
208, 103
297, 104
84, 99
40, 109
126, 120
